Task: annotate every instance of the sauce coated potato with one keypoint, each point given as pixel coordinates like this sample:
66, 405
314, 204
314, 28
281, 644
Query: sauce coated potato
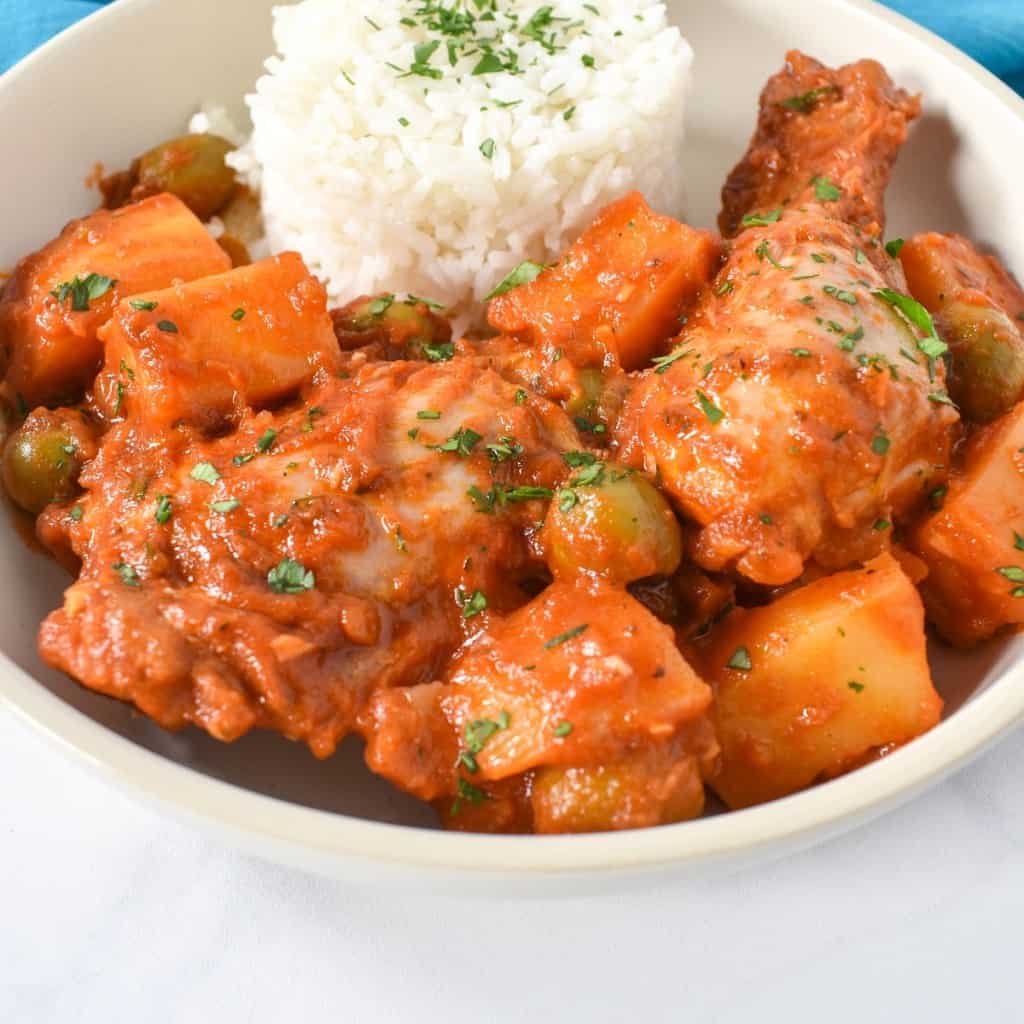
616, 295
52, 330
614, 523
200, 352
974, 543
819, 681
192, 168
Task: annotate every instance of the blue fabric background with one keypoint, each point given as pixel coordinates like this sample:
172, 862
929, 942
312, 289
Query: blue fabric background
991, 31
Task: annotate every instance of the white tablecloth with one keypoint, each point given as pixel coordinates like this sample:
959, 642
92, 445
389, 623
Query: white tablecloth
112, 914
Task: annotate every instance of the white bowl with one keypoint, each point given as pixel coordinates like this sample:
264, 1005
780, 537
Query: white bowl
130, 76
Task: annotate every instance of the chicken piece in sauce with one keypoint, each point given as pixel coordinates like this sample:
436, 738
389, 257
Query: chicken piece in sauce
799, 407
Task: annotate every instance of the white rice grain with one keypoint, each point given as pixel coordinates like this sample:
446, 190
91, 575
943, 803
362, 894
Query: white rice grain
379, 180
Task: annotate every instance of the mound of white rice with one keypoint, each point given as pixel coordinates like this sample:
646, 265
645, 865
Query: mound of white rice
394, 164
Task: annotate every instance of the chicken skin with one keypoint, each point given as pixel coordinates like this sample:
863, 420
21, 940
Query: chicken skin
800, 412
277, 576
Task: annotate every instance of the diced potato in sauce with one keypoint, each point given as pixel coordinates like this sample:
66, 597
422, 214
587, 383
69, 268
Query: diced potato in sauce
617, 293
974, 544
57, 300
200, 352
819, 681
577, 678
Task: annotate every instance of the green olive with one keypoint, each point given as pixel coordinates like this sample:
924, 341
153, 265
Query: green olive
636, 792
194, 169
409, 327
587, 394
612, 522
41, 463
987, 377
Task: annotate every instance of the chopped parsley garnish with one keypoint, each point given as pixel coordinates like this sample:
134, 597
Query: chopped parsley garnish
740, 660
489, 64
239, 314
662, 364
724, 288
279, 521
266, 442
415, 300
710, 410
858, 256
802, 353
880, 444
505, 449
167, 326
912, 310
763, 252
83, 290
577, 459
855, 686
164, 509
311, 417
290, 577
526, 272
588, 60
760, 220
76, 514
941, 398
825, 191
1018, 541
226, 506
521, 397
205, 472
499, 496
468, 792
474, 604
461, 443
893, 247
589, 426
439, 351
478, 732
563, 729
129, 577
881, 525
938, 496
142, 305
841, 294
571, 634
1012, 572
380, 305
569, 114
400, 540
766, 519
487, 148
805, 102
404, 122
428, 414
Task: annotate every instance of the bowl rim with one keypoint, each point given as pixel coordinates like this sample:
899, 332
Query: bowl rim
305, 834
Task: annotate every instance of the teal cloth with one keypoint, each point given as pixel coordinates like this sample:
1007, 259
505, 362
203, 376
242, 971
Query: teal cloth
991, 31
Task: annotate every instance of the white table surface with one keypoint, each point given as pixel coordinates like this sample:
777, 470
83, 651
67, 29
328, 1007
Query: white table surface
109, 913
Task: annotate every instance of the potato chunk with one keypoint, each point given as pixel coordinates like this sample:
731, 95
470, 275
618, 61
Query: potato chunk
582, 678
201, 352
974, 545
616, 293
57, 300
818, 682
